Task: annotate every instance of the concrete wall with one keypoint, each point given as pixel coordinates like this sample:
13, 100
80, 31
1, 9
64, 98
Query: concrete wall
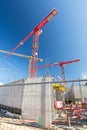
38, 100
33, 96
11, 94
78, 93
47, 107
31, 99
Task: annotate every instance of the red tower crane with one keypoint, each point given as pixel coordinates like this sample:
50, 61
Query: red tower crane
36, 32
61, 64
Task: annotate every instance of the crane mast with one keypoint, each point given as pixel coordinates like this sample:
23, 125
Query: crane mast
33, 66
62, 72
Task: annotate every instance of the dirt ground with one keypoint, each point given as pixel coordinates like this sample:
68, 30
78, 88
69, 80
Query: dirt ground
8, 123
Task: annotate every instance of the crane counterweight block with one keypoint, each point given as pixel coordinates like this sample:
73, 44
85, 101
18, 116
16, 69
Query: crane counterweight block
46, 19
51, 14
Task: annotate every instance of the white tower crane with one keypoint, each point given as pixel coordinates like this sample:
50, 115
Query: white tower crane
23, 56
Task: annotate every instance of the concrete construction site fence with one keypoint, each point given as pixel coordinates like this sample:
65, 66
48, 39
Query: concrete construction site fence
32, 99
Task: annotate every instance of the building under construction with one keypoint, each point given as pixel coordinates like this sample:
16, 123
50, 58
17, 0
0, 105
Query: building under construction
32, 98
77, 93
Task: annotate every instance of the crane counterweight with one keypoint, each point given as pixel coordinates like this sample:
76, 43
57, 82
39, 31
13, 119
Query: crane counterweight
46, 19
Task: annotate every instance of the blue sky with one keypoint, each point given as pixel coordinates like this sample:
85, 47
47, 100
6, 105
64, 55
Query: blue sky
64, 37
